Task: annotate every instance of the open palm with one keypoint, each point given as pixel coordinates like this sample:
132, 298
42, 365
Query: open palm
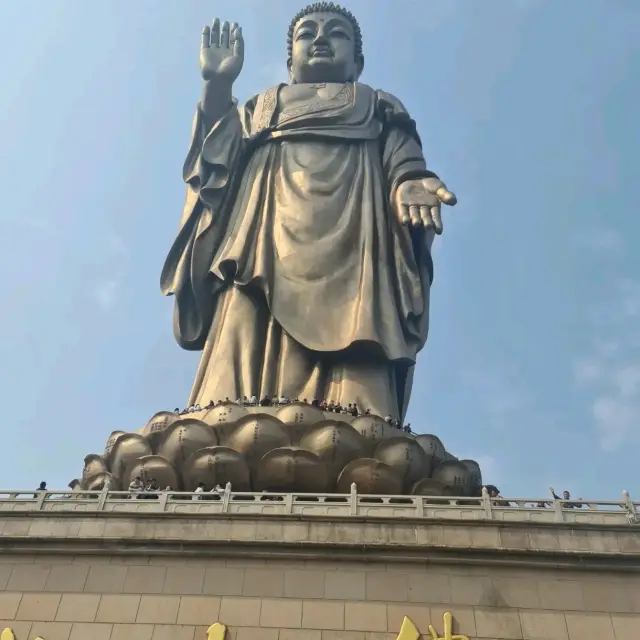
418, 201
222, 52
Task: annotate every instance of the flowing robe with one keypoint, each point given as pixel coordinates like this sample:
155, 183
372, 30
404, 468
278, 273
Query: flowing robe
290, 270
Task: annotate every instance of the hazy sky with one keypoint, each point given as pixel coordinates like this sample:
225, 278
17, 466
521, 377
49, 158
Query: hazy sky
529, 109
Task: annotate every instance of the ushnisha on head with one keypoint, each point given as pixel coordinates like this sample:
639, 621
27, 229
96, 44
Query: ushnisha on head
324, 44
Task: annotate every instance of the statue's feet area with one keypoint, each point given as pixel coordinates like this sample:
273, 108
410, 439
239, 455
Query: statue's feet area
297, 448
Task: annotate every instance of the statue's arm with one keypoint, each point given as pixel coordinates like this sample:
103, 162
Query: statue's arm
216, 149
215, 155
216, 100
402, 154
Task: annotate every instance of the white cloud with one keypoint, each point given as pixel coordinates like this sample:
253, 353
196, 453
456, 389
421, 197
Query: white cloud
615, 419
611, 373
105, 293
587, 371
501, 394
608, 241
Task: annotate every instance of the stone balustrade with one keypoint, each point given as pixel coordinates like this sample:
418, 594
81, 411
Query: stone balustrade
539, 510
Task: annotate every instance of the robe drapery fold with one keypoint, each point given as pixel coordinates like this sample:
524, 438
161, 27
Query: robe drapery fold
290, 270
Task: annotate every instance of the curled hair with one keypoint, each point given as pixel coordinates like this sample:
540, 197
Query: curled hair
325, 7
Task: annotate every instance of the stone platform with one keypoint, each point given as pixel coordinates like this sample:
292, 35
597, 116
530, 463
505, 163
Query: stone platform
75, 569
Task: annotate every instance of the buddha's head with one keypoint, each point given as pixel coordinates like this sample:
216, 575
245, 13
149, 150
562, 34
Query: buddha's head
324, 45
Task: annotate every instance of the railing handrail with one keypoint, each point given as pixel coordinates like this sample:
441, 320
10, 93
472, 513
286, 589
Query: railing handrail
484, 507
34, 493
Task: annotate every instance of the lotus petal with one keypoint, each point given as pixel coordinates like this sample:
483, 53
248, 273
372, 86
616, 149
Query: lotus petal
224, 413
431, 487
291, 469
153, 467
433, 447
216, 465
223, 418
300, 414
113, 438
183, 438
455, 474
127, 448
335, 443
475, 477
158, 424
257, 434
374, 430
93, 465
371, 477
406, 457
98, 482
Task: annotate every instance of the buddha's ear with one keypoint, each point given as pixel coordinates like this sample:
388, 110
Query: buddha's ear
359, 65
290, 70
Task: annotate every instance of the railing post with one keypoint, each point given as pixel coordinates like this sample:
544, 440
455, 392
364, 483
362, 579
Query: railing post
486, 503
419, 506
162, 500
354, 499
288, 503
41, 496
557, 508
632, 514
226, 497
102, 498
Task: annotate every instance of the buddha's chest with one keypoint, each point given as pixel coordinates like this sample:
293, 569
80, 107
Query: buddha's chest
303, 95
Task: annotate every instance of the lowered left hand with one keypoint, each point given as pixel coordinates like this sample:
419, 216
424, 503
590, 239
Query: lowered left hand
417, 202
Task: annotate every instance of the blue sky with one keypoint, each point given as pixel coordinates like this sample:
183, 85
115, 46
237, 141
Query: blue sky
527, 108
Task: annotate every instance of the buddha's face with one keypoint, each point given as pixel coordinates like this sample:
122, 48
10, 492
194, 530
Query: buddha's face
324, 50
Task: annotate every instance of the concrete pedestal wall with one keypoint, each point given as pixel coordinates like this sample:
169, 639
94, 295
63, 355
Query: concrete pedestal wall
100, 577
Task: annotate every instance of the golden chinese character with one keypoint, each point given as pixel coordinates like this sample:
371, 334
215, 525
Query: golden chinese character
216, 631
409, 631
8, 634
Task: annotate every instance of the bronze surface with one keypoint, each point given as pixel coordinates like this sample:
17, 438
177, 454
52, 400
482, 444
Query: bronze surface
406, 457
216, 466
335, 443
259, 451
370, 476
183, 438
456, 475
291, 469
149, 468
302, 266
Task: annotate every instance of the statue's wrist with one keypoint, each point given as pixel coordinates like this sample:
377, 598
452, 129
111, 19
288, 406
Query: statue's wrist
217, 98
217, 87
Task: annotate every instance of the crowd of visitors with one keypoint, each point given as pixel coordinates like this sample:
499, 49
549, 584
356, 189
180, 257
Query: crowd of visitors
498, 501
350, 409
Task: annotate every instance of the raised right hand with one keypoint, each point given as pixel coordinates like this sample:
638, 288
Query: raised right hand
222, 53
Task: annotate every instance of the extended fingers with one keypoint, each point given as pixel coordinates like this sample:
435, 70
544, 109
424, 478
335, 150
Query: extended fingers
414, 215
446, 196
206, 37
225, 35
437, 219
405, 218
425, 216
215, 33
238, 42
